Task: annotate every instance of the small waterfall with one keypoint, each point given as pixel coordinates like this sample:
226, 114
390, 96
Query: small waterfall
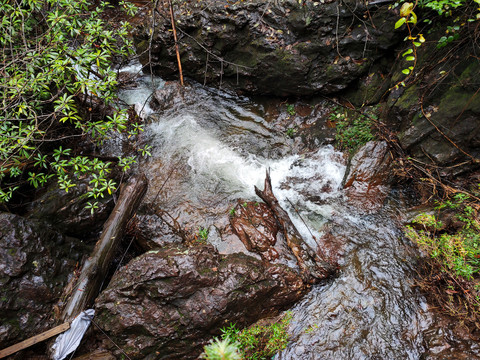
219, 149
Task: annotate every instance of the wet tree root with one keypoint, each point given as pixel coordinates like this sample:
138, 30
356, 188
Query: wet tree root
313, 267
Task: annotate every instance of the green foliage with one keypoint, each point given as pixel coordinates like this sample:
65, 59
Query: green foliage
259, 342
451, 34
353, 129
458, 250
409, 18
442, 7
291, 132
291, 109
56, 58
224, 349
203, 233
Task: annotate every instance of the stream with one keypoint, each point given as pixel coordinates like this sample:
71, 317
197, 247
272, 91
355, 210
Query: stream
208, 152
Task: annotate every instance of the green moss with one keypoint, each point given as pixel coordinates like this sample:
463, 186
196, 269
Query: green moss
409, 98
457, 100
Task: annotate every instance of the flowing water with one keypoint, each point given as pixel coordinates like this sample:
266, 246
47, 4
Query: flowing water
209, 151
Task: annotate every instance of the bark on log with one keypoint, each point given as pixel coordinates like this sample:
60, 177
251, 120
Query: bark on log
96, 266
312, 266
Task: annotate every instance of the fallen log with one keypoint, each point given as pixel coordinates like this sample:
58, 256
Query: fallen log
96, 266
313, 267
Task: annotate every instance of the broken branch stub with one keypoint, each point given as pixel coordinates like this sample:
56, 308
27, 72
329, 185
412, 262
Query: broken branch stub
313, 267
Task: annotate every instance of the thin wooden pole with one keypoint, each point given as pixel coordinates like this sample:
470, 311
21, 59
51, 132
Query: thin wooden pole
34, 340
174, 28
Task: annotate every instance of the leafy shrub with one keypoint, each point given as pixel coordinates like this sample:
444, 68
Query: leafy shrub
458, 251
451, 273
56, 64
353, 129
259, 342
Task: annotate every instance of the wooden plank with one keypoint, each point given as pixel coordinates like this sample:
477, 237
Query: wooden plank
34, 340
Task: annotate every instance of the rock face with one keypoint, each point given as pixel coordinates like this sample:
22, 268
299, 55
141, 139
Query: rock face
269, 47
67, 212
438, 116
35, 262
165, 302
366, 185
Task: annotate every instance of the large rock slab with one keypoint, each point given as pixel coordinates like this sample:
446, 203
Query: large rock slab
67, 212
166, 303
268, 47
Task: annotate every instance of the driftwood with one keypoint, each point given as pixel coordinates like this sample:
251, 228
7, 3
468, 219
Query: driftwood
96, 266
313, 266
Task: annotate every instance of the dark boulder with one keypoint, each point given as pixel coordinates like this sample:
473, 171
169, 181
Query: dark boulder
167, 303
67, 211
269, 47
35, 263
438, 115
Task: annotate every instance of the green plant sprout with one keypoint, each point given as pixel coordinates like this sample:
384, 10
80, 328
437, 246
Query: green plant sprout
291, 109
258, 342
203, 233
291, 132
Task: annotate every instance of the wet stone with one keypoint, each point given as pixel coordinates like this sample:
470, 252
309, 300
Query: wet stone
167, 303
278, 48
367, 184
35, 262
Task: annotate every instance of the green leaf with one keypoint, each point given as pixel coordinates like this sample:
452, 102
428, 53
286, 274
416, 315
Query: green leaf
400, 22
406, 9
413, 18
410, 58
406, 71
409, 51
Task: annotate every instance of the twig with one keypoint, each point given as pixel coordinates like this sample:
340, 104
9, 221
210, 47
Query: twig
172, 18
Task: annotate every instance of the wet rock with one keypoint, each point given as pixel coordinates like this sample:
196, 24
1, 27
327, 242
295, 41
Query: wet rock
438, 116
280, 48
255, 225
371, 87
151, 232
164, 98
67, 212
35, 262
367, 183
167, 303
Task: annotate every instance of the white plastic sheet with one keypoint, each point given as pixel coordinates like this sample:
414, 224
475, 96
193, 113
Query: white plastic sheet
70, 339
